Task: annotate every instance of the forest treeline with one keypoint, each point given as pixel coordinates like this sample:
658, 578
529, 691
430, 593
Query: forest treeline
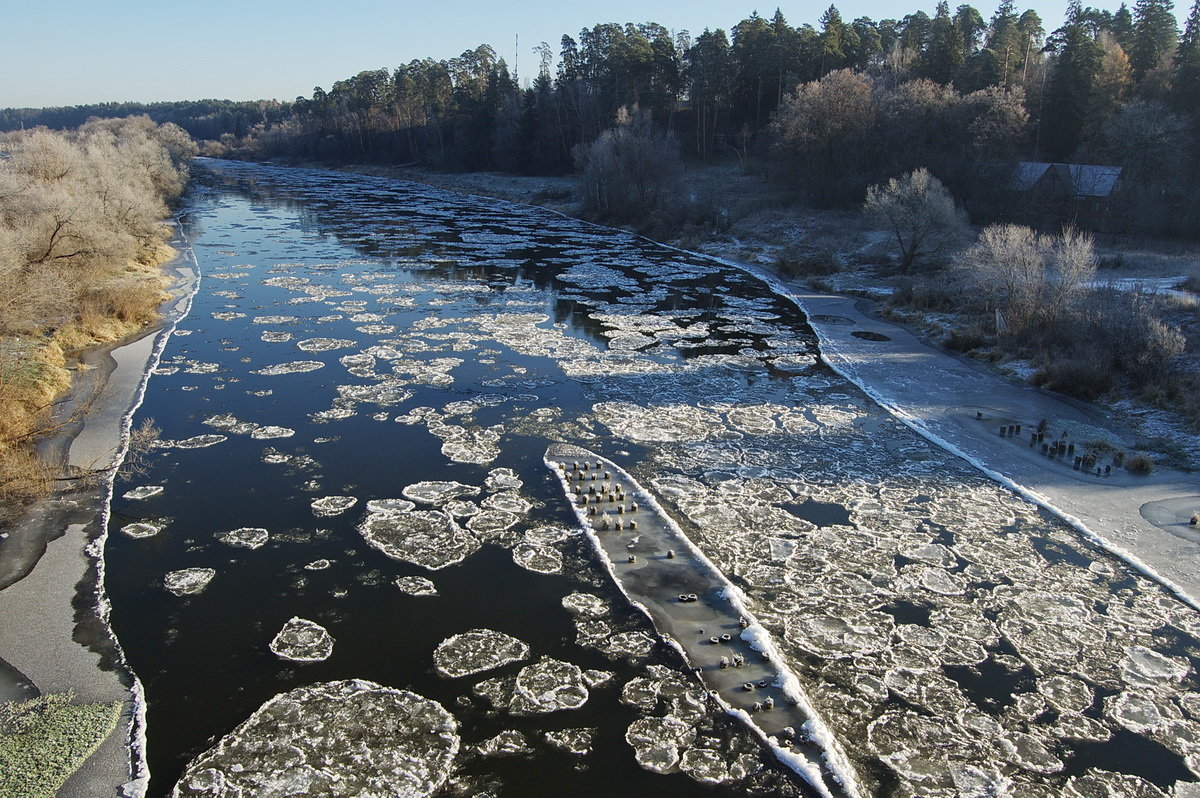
829, 108
81, 241
202, 119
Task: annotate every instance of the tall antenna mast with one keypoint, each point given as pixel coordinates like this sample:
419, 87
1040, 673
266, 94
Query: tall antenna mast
516, 58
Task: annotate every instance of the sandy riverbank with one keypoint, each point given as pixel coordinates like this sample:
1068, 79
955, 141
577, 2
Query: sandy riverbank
53, 557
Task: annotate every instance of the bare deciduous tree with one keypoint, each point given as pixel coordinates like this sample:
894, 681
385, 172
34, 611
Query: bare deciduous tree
631, 172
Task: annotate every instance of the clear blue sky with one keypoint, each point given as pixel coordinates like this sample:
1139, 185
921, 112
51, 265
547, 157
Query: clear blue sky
70, 52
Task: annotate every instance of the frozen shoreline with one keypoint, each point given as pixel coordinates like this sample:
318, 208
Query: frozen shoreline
936, 395
69, 531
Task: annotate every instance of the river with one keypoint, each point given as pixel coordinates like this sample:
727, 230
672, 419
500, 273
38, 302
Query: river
364, 390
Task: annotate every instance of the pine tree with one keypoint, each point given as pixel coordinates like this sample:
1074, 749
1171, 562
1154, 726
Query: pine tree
1187, 64
1122, 27
1155, 34
1071, 94
943, 53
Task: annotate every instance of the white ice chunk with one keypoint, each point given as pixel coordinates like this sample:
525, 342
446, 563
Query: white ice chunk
188, 581
438, 492
295, 367
334, 738
144, 492
143, 529
428, 538
302, 640
245, 537
416, 585
332, 505
476, 651
536, 557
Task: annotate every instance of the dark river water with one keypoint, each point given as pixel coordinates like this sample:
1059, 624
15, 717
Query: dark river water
374, 340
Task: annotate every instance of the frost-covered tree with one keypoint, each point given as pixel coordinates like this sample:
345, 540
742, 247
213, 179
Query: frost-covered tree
920, 213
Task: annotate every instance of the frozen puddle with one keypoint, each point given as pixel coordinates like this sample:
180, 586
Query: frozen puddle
336, 738
696, 609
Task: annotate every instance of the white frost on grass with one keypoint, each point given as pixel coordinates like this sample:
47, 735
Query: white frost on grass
302, 640
331, 739
188, 581
476, 651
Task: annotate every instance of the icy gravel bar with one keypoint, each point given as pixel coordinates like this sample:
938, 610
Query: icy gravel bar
698, 611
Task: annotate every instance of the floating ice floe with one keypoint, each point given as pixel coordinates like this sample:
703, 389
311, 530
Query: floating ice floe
270, 432
548, 685
318, 565
461, 508
438, 492
537, 557
573, 741
302, 640
657, 742
633, 646
332, 505
428, 538
275, 336
506, 743
334, 738
586, 605
195, 442
476, 651
416, 585
144, 492
503, 479
390, 506
295, 367
188, 581
323, 344
244, 538
143, 529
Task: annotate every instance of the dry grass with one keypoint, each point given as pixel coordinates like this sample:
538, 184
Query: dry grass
1139, 463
